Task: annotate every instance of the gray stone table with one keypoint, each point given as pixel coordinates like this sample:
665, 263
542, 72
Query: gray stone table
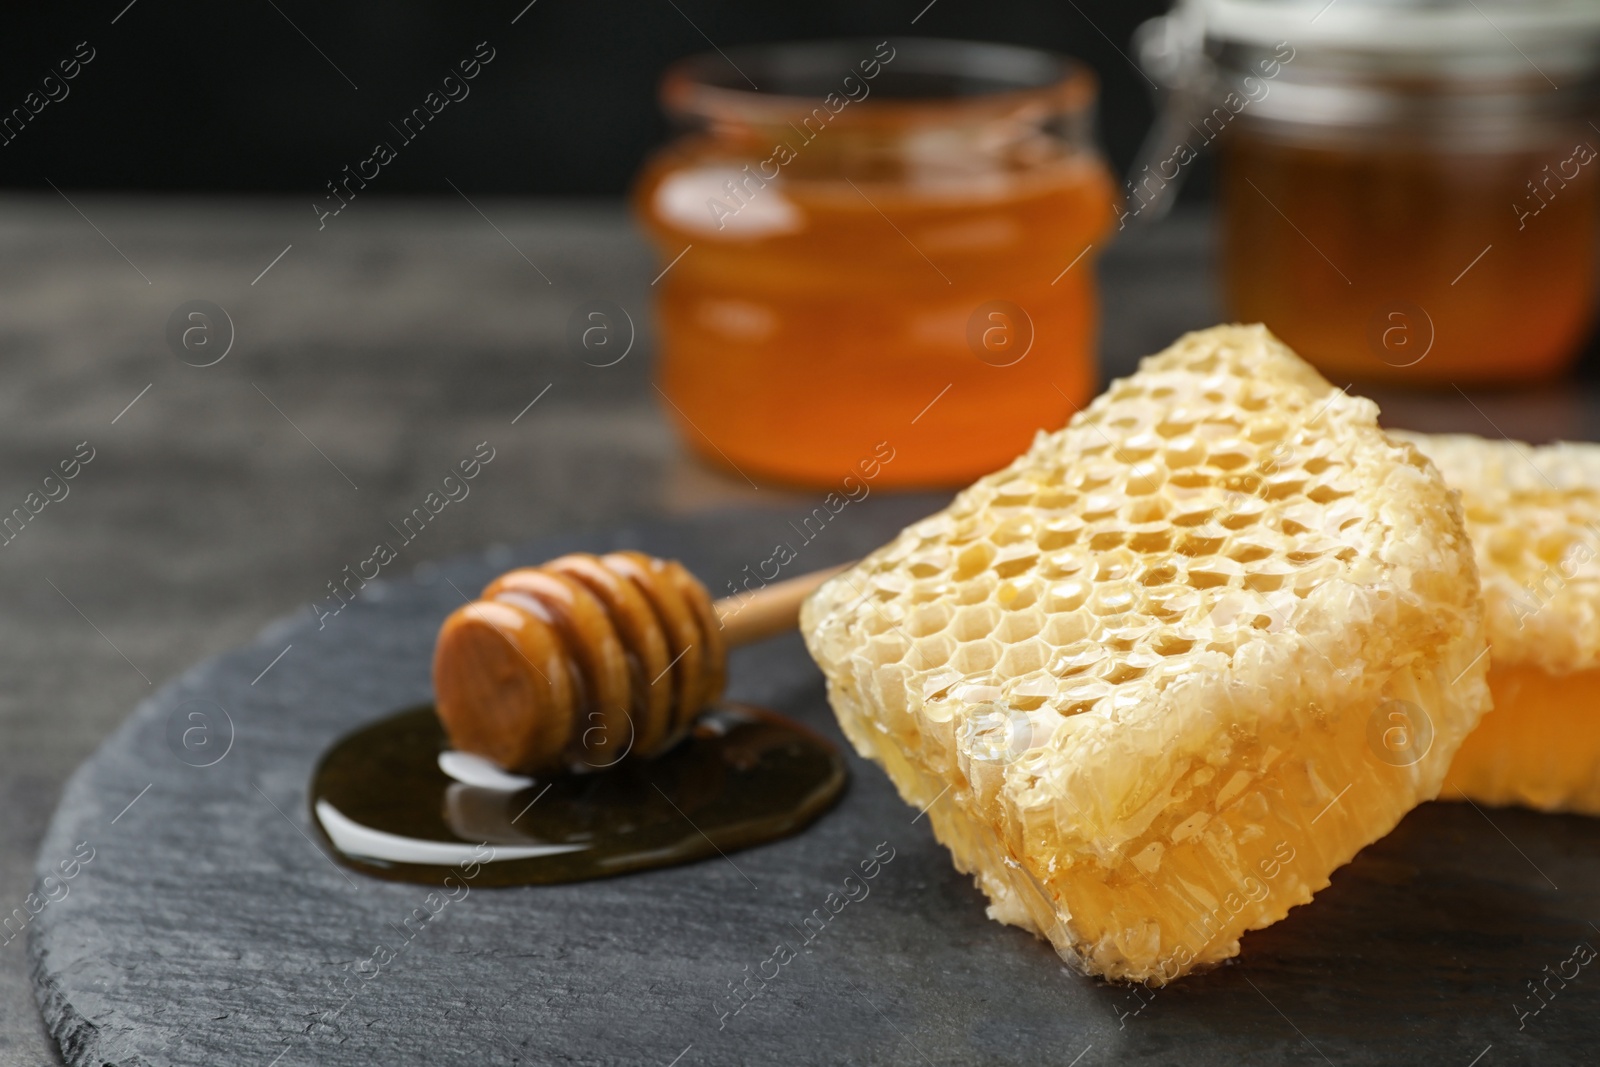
368, 358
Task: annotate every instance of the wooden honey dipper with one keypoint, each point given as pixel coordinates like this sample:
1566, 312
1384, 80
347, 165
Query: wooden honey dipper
586, 660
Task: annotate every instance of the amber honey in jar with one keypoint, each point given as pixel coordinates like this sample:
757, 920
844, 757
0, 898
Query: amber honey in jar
1411, 195
876, 253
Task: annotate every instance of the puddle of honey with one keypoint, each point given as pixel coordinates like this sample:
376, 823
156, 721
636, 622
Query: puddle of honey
741, 777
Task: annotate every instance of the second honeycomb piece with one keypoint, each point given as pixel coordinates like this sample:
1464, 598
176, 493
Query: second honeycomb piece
1534, 517
1157, 679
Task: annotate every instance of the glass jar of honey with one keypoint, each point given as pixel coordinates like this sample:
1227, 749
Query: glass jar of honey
1409, 190
875, 256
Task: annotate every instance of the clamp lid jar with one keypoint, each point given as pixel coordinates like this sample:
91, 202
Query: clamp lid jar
1412, 195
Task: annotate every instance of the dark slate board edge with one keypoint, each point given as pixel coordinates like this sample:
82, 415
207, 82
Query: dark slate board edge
77, 1038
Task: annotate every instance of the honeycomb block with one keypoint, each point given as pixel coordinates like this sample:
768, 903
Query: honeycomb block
1534, 518
1157, 679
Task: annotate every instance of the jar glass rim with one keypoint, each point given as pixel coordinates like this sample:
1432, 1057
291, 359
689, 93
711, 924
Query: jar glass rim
921, 79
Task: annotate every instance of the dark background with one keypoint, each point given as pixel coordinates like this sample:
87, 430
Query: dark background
235, 97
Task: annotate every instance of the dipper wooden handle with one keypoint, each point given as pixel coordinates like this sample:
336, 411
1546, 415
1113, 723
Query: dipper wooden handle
770, 610
587, 660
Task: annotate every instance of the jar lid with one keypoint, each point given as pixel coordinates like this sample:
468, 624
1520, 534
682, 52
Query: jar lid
1551, 41
1473, 76
1476, 74
1397, 27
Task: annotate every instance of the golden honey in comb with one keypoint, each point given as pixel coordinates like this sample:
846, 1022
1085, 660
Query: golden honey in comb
1143, 678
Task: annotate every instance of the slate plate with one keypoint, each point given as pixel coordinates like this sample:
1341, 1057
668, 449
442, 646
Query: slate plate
207, 928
